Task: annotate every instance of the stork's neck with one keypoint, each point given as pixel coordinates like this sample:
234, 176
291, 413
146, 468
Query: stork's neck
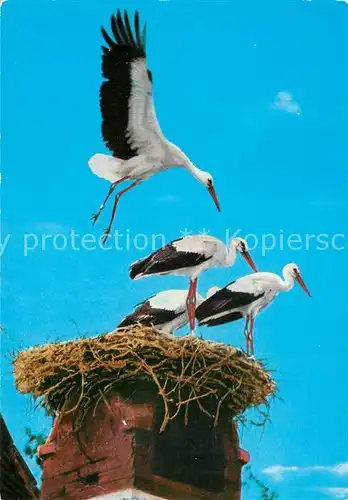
181, 159
287, 283
196, 172
231, 254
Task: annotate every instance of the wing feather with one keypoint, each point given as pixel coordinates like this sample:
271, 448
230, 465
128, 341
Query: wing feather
164, 260
137, 28
148, 316
143, 36
121, 28
144, 131
107, 38
129, 122
225, 301
115, 31
129, 30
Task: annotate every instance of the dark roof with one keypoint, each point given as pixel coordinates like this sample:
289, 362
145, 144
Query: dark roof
16, 480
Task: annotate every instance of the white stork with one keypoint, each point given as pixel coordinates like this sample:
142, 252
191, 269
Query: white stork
129, 124
166, 311
190, 256
245, 298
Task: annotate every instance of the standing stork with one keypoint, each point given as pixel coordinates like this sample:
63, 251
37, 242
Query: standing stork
166, 311
245, 298
190, 256
129, 124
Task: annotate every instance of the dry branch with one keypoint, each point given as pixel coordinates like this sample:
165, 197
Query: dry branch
78, 375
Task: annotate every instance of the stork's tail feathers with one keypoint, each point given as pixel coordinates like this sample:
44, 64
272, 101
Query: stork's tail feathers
138, 269
106, 166
126, 322
218, 319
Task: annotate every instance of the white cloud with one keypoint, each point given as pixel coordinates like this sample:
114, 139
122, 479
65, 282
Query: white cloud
341, 469
277, 472
337, 492
284, 101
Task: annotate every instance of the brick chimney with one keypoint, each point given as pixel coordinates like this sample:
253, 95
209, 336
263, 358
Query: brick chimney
119, 453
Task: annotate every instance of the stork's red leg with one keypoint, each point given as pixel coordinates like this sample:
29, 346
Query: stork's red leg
251, 336
246, 333
188, 299
191, 303
102, 206
117, 199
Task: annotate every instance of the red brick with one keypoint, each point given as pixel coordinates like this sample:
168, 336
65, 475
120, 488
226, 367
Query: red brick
117, 445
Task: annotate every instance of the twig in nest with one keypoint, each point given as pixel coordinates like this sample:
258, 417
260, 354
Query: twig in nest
181, 370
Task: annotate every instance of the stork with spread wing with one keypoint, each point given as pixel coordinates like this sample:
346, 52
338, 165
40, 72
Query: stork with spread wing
129, 124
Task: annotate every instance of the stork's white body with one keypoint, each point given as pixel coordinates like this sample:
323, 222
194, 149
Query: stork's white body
268, 283
247, 297
213, 252
141, 167
175, 301
262, 289
166, 311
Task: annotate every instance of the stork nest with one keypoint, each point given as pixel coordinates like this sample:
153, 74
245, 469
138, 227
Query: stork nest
77, 376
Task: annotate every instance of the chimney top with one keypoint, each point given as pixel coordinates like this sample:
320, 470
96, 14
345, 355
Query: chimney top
120, 450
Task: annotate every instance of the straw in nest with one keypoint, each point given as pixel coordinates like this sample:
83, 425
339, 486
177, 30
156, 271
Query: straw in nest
182, 370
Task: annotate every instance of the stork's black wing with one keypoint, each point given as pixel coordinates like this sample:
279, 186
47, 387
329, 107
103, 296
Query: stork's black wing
225, 302
148, 316
165, 260
124, 46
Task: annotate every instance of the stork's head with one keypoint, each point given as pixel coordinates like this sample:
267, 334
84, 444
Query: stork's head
294, 271
242, 247
203, 177
207, 179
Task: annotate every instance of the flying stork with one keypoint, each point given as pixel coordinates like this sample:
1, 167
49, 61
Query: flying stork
190, 256
166, 311
129, 124
245, 298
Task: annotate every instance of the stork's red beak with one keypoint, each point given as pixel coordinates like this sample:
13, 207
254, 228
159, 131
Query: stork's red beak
246, 255
302, 284
214, 196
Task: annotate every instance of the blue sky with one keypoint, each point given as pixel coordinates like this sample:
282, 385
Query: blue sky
254, 93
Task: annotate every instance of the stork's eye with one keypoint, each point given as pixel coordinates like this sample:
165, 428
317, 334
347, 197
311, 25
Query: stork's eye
209, 183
